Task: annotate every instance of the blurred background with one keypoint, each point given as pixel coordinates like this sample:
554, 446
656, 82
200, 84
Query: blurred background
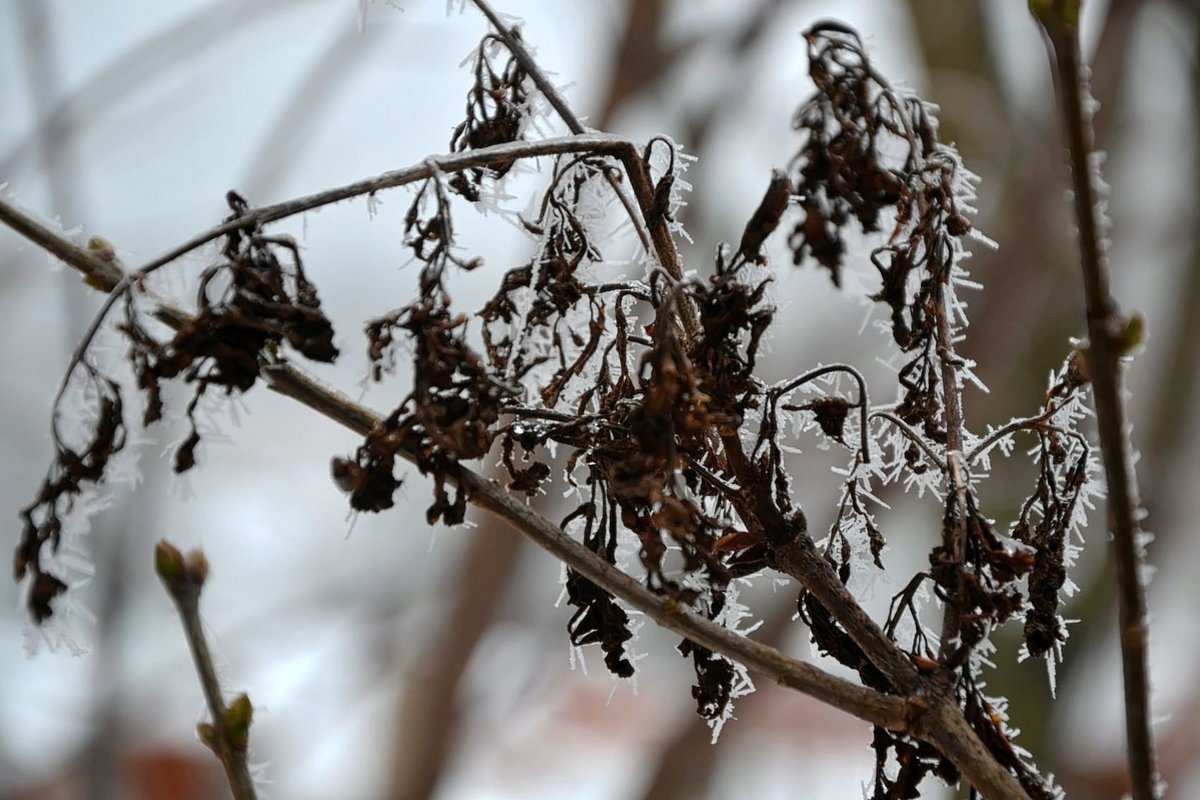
390, 660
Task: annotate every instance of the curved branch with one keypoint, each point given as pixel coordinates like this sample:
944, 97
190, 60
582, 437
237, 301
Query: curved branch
864, 401
1011, 427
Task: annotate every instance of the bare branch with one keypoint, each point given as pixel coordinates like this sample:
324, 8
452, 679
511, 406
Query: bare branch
1106, 327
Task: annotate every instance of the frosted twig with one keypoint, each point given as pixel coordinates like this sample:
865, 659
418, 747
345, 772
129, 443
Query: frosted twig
1012, 427
864, 401
912, 436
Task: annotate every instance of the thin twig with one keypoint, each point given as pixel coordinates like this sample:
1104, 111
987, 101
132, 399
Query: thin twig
228, 733
912, 436
864, 402
1060, 21
1011, 427
954, 538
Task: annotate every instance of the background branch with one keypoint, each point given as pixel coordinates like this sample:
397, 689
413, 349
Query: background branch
1107, 345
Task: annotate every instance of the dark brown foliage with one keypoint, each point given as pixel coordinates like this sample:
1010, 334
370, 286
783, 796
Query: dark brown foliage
648, 386
455, 399
68, 477
497, 107
871, 161
249, 304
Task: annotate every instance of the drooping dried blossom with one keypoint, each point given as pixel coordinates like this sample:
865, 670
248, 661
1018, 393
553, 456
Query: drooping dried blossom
254, 300
455, 400
497, 113
766, 217
1054, 512
870, 163
256, 297
75, 469
871, 156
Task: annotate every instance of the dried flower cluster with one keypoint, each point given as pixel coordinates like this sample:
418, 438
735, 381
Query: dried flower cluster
641, 392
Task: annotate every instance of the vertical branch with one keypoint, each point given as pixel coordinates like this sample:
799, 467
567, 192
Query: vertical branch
1107, 343
228, 734
954, 538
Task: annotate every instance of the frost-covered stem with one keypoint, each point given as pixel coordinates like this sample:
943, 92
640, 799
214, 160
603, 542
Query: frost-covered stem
938, 720
801, 559
97, 272
954, 538
945, 727
912, 436
794, 553
184, 579
595, 144
531, 67
1059, 19
107, 273
864, 400
1011, 428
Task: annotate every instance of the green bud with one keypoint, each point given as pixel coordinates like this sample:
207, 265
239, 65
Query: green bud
237, 722
168, 564
208, 735
1065, 12
1133, 336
